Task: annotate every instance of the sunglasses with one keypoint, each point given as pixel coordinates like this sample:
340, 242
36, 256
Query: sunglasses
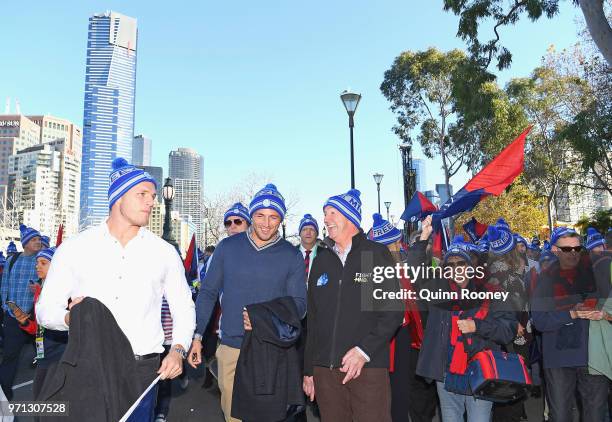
456, 264
229, 222
568, 249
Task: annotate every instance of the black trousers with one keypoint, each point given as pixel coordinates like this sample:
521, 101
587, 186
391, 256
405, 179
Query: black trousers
14, 340
412, 398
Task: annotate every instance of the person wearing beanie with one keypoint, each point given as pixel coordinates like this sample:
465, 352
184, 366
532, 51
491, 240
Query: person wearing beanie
309, 234
11, 249
139, 270
346, 361
533, 249
45, 241
444, 352
595, 242
236, 219
384, 232
502, 223
563, 305
17, 303
269, 268
501, 240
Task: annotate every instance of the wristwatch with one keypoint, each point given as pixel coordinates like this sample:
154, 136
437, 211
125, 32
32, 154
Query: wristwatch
197, 337
180, 351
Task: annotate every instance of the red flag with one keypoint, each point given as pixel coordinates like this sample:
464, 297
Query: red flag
60, 235
189, 257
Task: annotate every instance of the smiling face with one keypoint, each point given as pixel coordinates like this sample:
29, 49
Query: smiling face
265, 225
236, 225
337, 224
136, 204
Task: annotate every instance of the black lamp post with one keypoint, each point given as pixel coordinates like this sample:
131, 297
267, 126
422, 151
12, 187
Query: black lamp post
350, 101
378, 178
388, 205
168, 194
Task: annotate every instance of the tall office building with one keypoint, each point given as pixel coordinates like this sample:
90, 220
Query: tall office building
419, 167
108, 120
17, 132
158, 174
141, 151
186, 168
52, 128
443, 193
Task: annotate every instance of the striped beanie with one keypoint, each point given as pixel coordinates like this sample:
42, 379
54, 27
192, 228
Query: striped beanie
123, 178
11, 248
383, 231
237, 210
348, 204
308, 220
27, 234
502, 223
559, 232
268, 198
501, 240
594, 239
520, 239
46, 241
46, 254
459, 248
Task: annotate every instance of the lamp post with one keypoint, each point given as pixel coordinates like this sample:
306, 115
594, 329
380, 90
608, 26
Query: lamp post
388, 205
168, 194
350, 101
378, 178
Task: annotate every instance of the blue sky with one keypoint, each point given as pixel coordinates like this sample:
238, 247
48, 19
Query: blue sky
254, 86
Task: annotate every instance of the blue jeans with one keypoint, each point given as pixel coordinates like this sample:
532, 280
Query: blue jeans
453, 406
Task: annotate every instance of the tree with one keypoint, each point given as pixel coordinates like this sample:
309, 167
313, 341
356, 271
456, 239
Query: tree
518, 205
600, 220
420, 87
472, 13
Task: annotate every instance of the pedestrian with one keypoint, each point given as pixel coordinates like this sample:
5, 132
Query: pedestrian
250, 267
17, 297
45, 242
346, 363
11, 249
563, 305
139, 270
236, 219
595, 242
483, 324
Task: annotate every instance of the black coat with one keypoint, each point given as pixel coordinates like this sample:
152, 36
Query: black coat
97, 373
342, 312
268, 373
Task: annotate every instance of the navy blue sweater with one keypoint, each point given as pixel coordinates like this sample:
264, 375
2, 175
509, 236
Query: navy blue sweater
242, 275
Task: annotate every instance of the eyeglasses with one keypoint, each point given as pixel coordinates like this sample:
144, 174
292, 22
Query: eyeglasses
456, 264
568, 249
229, 222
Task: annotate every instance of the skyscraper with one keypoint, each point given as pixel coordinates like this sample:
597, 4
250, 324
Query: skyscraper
186, 168
419, 167
108, 120
141, 151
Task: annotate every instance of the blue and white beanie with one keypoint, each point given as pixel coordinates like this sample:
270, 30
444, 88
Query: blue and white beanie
502, 223
123, 178
546, 246
459, 248
27, 234
348, 204
559, 232
594, 239
534, 245
501, 240
547, 256
46, 254
268, 198
237, 210
46, 241
11, 248
520, 239
383, 231
308, 220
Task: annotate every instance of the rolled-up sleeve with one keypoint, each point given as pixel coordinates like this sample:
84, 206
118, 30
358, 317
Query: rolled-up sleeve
182, 308
57, 289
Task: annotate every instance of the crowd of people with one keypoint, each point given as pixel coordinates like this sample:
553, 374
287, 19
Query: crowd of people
295, 327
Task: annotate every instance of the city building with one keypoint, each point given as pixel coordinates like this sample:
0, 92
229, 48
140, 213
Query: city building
52, 128
43, 188
17, 132
419, 167
432, 196
183, 228
443, 193
141, 151
158, 174
186, 168
108, 119
572, 203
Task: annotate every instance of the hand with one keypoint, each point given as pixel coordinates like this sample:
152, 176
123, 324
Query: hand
352, 363
308, 387
590, 315
426, 228
75, 301
195, 354
466, 326
172, 365
247, 321
521, 330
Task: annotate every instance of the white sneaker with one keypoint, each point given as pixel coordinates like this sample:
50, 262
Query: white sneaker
160, 418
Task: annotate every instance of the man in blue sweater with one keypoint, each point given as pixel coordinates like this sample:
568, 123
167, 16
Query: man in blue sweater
250, 267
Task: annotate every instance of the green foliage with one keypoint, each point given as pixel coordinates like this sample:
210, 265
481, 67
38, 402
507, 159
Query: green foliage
601, 220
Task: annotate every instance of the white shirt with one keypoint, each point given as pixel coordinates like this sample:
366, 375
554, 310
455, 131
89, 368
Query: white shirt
313, 254
130, 281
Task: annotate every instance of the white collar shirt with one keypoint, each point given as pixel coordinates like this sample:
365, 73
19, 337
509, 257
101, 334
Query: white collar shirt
130, 281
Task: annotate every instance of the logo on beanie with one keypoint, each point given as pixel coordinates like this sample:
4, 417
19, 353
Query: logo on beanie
266, 202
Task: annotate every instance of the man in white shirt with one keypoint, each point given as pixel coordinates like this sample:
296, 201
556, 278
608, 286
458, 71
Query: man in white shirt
309, 232
138, 269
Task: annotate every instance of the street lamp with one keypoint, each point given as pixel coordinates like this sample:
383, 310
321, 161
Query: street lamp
168, 194
350, 101
378, 178
388, 205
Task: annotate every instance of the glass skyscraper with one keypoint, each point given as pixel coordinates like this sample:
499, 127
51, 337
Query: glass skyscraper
108, 120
